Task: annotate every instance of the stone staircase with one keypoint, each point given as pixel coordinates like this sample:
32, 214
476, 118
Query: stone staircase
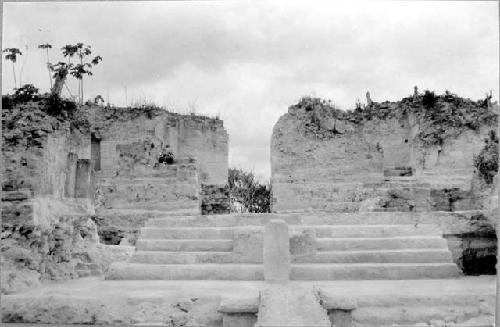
347, 246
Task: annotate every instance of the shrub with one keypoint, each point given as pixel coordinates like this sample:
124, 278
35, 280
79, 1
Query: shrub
55, 105
7, 102
166, 158
486, 162
429, 99
248, 192
26, 93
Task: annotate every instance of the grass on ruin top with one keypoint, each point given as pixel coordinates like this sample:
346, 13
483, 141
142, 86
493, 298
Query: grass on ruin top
439, 116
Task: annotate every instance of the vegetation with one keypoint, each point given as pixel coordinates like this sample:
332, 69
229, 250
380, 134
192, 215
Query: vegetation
60, 70
83, 68
57, 106
439, 116
11, 55
246, 191
46, 47
486, 162
429, 100
26, 93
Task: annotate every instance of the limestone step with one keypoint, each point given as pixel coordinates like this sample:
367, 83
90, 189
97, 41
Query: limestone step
187, 233
379, 256
315, 218
361, 271
379, 230
161, 257
137, 271
184, 245
386, 243
321, 231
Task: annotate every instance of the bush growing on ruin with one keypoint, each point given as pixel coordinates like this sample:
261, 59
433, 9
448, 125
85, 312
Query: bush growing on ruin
486, 162
439, 116
429, 99
166, 158
55, 105
449, 116
245, 190
26, 93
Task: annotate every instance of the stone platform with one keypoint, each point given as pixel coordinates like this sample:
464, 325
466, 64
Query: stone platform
323, 246
466, 301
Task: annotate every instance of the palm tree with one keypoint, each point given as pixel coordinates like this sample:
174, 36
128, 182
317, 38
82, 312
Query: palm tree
47, 46
69, 51
12, 56
83, 68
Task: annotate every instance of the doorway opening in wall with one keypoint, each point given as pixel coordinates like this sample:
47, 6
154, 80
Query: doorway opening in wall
95, 152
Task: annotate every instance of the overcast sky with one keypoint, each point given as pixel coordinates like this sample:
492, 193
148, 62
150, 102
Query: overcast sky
248, 61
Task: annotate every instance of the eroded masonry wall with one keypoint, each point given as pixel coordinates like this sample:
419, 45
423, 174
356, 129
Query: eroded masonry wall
185, 136
47, 230
148, 160
339, 170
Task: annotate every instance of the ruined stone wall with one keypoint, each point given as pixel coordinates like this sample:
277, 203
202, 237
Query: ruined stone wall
46, 198
149, 160
321, 160
186, 136
43, 158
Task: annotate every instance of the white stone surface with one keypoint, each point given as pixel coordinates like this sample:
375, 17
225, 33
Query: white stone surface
287, 305
276, 251
131, 302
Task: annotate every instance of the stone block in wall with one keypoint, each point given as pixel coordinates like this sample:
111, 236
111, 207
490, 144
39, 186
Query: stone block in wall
83, 180
18, 195
452, 199
17, 213
398, 172
71, 167
239, 319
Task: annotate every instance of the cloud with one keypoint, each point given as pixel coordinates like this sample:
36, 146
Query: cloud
248, 61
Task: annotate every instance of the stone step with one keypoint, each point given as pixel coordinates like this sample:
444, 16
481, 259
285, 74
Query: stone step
386, 243
321, 231
186, 204
187, 233
408, 315
379, 256
161, 257
304, 218
380, 230
184, 245
137, 271
362, 271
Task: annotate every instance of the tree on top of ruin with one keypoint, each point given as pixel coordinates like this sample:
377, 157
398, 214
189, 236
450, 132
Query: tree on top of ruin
83, 68
11, 55
46, 47
69, 51
77, 70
